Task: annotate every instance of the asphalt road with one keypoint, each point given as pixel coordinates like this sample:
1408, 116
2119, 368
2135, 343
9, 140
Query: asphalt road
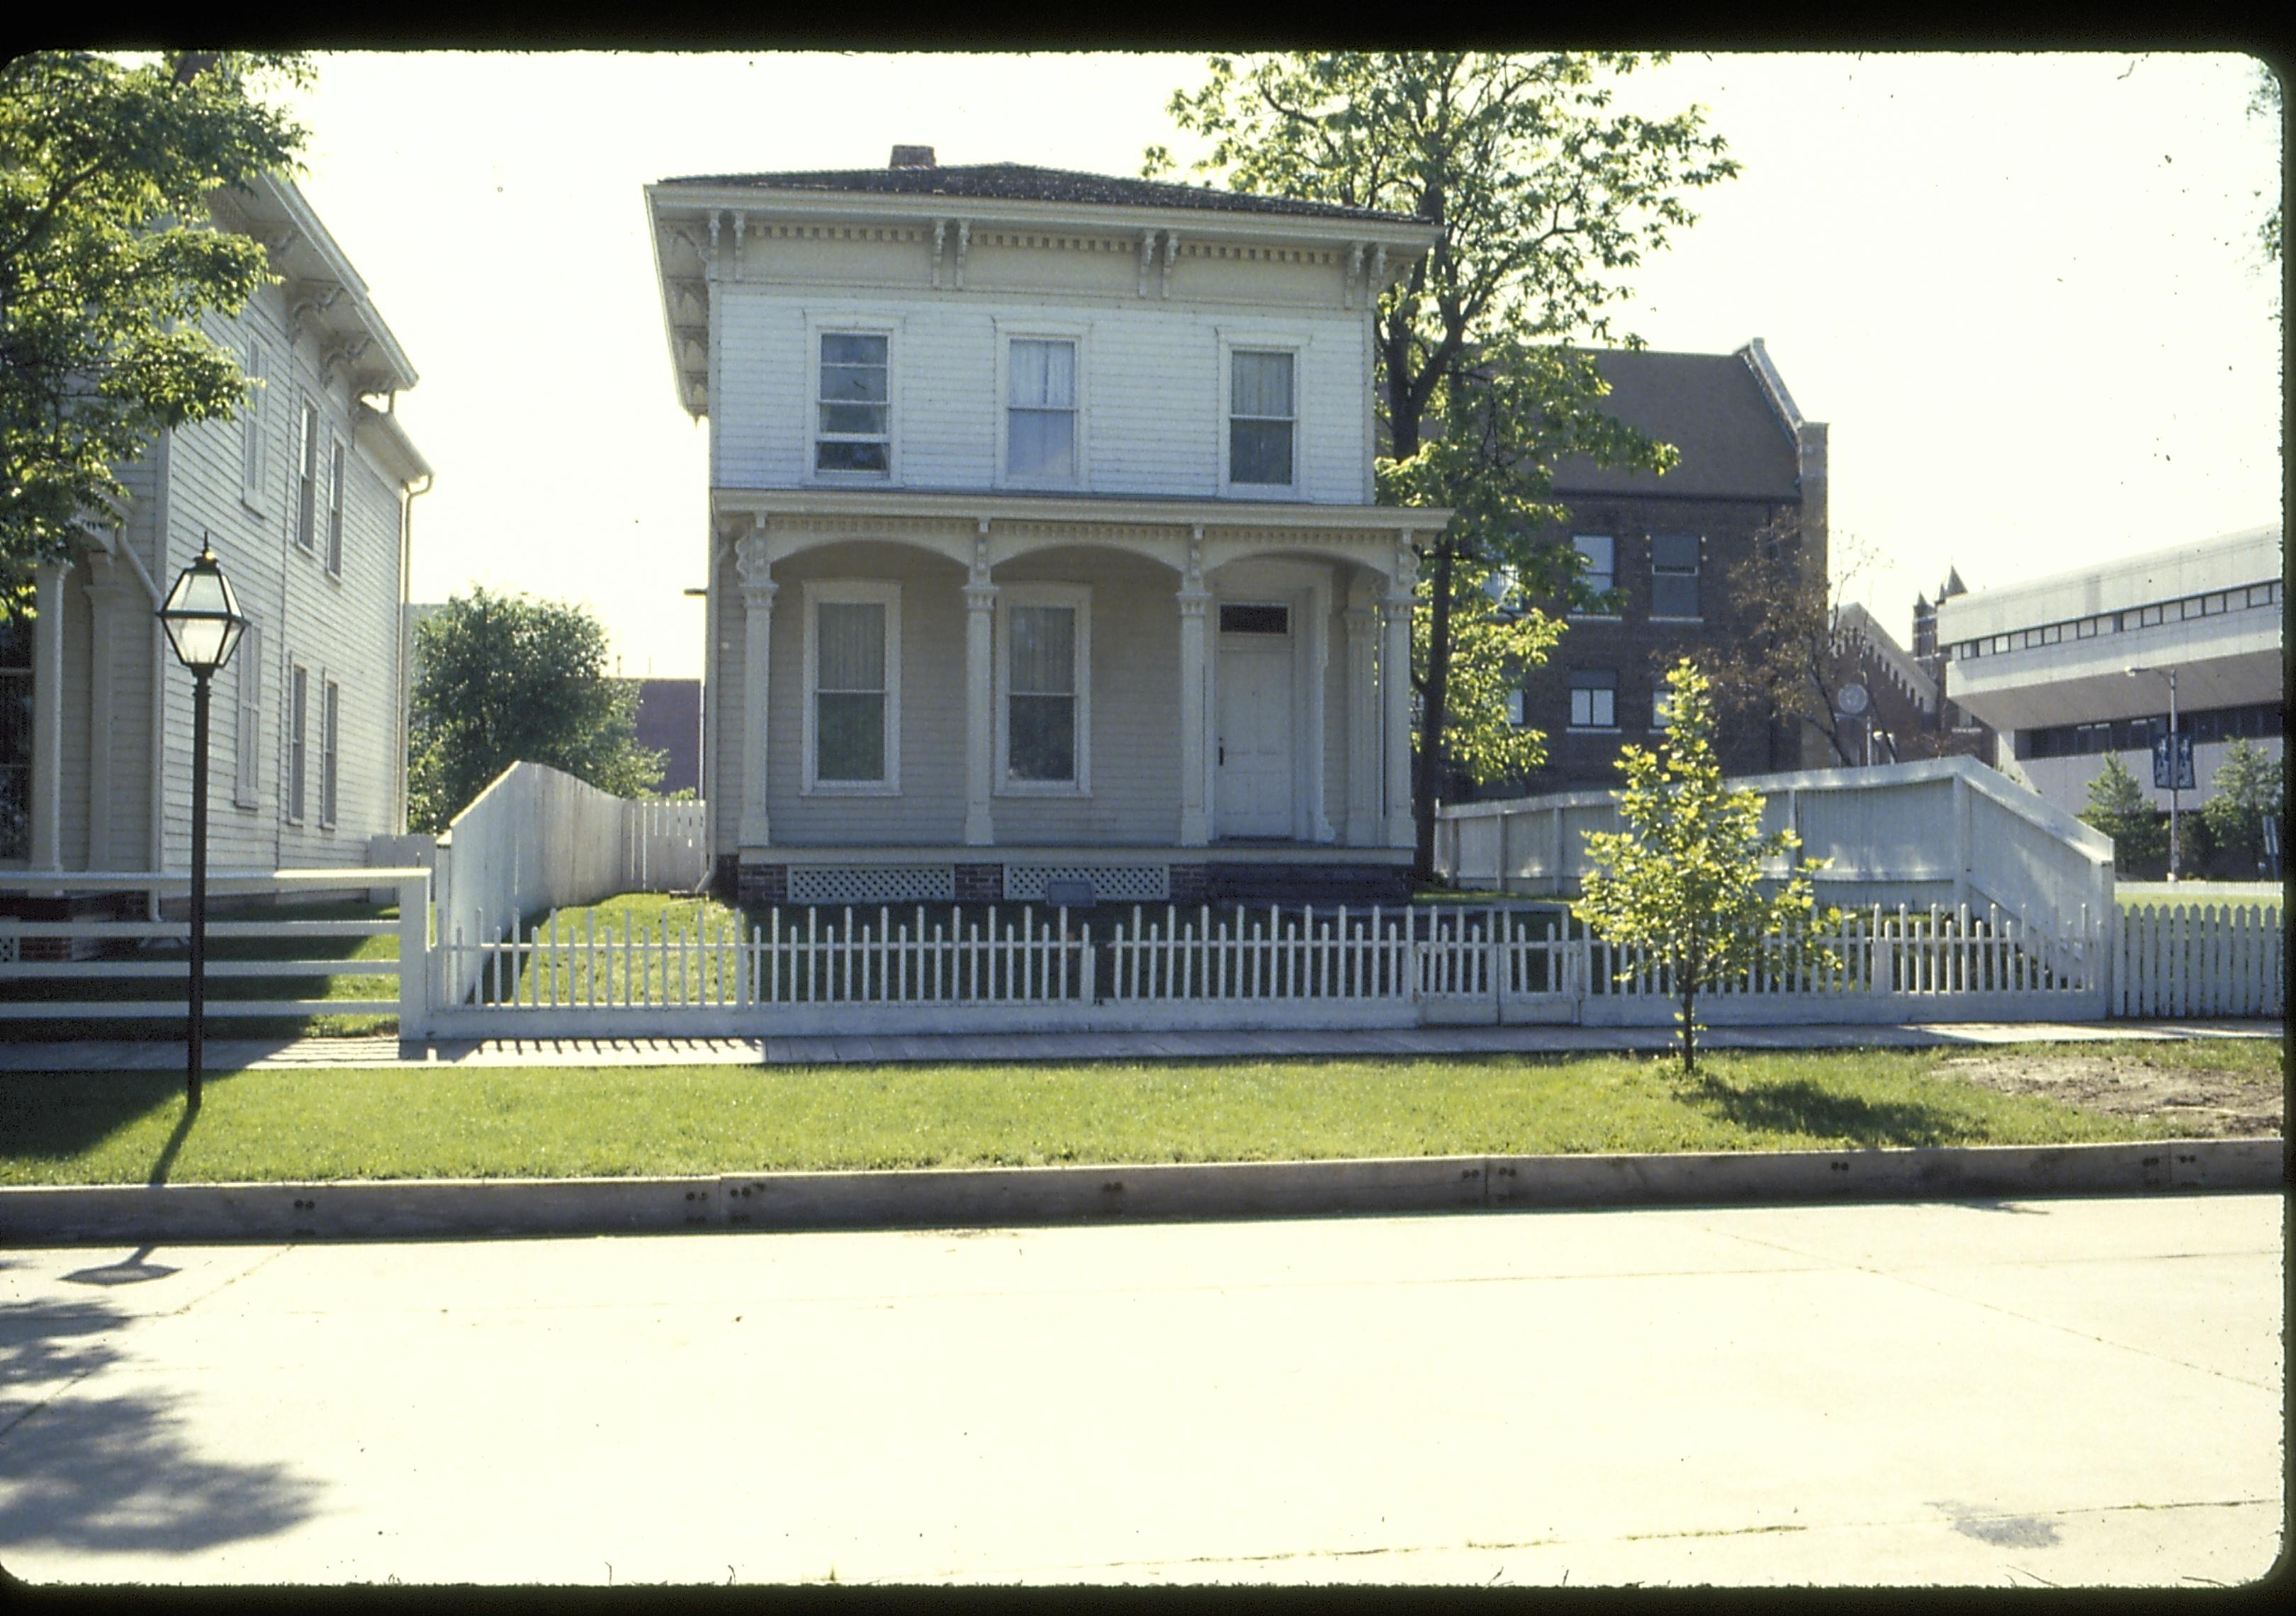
2034, 1392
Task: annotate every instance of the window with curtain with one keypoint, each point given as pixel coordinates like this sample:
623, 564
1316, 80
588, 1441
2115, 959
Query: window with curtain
854, 408
1261, 418
849, 692
1674, 575
1594, 699
1040, 409
1042, 718
1600, 574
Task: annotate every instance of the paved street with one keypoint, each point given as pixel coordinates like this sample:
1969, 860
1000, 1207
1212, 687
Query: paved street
2046, 1391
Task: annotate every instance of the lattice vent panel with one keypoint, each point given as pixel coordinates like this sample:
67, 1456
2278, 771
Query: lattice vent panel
1111, 882
873, 883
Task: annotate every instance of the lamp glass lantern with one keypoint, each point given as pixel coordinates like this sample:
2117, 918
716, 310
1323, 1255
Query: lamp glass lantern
203, 616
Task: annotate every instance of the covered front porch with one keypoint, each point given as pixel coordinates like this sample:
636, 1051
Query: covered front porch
919, 696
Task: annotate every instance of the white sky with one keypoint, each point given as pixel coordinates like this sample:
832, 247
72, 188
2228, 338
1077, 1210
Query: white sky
2025, 291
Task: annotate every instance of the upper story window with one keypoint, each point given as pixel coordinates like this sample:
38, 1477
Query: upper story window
1040, 410
251, 455
1262, 416
307, 476
337, 469
855, 429
1674, 575
1594, 698
1600, 572
853, 679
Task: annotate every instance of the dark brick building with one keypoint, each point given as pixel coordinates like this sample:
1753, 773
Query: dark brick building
669, 721
1747, 459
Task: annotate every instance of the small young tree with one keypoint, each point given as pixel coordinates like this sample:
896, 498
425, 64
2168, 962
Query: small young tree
2116, 806
1682, 881
507, 679
2251, 787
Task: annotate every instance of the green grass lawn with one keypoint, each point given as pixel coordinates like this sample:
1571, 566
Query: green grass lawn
220, 988
504, 1123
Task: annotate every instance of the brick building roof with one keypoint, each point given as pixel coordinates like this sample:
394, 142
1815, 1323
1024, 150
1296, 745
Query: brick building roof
1712, 408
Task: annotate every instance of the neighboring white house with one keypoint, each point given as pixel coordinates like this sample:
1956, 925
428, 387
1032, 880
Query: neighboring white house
304, 499
2045, 663
1042, 542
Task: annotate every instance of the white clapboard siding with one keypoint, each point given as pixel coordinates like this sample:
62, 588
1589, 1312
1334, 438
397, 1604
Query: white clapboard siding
2200, 960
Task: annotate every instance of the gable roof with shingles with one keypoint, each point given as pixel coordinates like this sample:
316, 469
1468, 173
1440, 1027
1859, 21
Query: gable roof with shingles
1713, 408
1023, 182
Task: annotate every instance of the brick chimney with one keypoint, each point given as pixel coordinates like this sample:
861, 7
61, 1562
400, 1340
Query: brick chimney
912, 157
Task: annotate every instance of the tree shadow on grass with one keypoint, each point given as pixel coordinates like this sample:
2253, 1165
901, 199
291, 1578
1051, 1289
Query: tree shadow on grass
84, 1472
1798, 1106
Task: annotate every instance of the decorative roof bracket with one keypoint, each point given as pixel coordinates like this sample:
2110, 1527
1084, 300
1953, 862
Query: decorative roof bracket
1171, 251
963, 243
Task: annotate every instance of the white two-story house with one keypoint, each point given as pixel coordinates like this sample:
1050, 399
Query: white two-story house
1042, 550
304, 499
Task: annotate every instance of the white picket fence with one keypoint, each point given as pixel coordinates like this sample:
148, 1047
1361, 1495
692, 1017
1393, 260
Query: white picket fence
2200, 960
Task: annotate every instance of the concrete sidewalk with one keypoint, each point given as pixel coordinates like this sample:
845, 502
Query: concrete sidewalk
260, 1055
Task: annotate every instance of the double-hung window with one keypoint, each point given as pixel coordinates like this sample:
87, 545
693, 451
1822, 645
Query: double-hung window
1044, 699
307, 476
331, 708
853, 679
338, 468
1040, 410
247, 747
1594, 699
251, 455
1598, 574
1262, 416
1674, 575
854, 405
299, 709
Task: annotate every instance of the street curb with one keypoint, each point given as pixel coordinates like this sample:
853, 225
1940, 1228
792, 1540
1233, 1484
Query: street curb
469, 1209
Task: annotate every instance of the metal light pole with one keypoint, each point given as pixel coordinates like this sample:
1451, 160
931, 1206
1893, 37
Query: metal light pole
204, 624
2175, 764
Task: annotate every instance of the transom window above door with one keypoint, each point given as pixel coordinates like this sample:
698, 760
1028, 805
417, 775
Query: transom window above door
854, 425
1040, 410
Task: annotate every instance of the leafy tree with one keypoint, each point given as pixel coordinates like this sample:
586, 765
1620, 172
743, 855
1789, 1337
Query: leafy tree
108, 260
2118, 807
1546, 194
2250, 785
1682, 879
507, 679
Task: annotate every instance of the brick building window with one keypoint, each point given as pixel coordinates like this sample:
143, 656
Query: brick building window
1600, 574
1674, 575
1594, 698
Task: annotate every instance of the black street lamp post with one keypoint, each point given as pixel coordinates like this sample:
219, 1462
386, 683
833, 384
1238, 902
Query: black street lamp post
203, 623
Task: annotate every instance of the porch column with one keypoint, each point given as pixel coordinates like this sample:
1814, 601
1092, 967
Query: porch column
105, 597
1362, 817
1395, 696
1195, 823
750, 557
979, 711
48, 718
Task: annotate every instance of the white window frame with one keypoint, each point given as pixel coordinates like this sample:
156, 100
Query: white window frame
338, 476
849, 592
254, 442
1697, 575
304, 505
816, 327
247, 773
1038, 330
1078, 597
331, 746
1241, 340
293, 801
1572, 691
1577, 539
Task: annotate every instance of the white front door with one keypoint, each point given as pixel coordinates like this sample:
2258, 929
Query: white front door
1251, 791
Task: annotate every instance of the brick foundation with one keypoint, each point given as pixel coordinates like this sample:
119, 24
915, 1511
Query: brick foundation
980, 883
764, 883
